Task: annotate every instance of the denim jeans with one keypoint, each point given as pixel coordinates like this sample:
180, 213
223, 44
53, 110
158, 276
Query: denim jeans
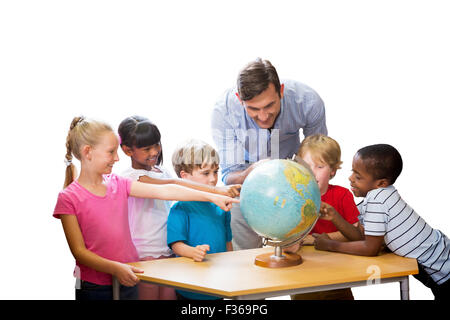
92, 291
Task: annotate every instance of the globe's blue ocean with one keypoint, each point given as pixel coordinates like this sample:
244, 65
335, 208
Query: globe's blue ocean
280, 200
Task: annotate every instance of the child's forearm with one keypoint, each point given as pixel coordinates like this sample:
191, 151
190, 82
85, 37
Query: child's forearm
181, 182
370, 246
123, 272
78, 249
338, 236
231, 190
168, 192
94, 261
183, 250
197, 253
179, 193
359, 248
195, 185
348, 230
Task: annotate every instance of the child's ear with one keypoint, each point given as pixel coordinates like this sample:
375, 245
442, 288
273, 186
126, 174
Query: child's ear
183, 174
383, 183
333, 173
86, 151
126, 150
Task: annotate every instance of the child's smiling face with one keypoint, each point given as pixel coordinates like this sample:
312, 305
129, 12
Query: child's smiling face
146, 157
361, 181
104, 155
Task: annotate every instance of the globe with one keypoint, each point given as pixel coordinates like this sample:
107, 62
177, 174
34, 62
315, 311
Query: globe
280, 200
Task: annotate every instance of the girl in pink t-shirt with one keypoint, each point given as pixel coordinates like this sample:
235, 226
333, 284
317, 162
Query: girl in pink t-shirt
94, 210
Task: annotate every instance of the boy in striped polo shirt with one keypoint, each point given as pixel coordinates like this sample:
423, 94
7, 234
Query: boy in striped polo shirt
386, 219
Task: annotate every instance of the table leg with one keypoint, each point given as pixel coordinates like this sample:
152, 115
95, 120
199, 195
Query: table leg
116, 288
404, 288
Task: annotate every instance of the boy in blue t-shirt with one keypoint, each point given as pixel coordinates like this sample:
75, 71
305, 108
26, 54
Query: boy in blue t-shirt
195, 228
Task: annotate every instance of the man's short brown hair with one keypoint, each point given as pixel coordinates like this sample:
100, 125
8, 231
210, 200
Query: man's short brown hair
255, 78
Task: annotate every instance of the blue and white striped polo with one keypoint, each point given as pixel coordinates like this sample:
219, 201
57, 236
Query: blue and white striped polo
385, 213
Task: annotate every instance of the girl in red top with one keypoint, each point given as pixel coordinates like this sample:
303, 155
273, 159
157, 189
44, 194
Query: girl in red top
323, 155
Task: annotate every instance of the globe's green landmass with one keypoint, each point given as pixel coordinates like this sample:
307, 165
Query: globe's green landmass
309, 217
280, 200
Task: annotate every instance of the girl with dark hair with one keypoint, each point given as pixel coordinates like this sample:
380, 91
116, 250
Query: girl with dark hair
141, 141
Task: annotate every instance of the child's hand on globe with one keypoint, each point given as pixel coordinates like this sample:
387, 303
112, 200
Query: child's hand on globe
327, 212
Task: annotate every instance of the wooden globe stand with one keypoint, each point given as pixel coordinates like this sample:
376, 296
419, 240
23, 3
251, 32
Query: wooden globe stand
278, 259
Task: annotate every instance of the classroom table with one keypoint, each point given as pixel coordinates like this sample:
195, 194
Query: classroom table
233, 275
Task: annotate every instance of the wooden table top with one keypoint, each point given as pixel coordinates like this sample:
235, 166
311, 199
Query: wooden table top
231, 274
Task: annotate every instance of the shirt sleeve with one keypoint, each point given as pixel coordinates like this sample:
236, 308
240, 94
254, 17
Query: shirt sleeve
315, 115
230, 148
128, 183
125, 182
177, 225
63, 206
375, 219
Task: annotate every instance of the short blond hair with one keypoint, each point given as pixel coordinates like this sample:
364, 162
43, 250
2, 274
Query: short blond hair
323, 149
193, 154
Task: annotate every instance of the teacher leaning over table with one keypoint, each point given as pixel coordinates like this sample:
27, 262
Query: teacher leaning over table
261, 118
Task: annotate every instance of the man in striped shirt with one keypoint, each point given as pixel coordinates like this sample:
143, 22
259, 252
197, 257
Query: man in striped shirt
385, 218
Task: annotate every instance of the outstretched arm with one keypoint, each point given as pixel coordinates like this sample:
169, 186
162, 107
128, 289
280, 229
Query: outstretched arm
370, 246
230, 190
350, 231
179, 193
238, 177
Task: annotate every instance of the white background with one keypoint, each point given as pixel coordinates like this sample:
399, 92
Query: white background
381, 67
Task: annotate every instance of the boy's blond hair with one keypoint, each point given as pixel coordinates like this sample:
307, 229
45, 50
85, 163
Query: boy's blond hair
322, 149
193, 154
